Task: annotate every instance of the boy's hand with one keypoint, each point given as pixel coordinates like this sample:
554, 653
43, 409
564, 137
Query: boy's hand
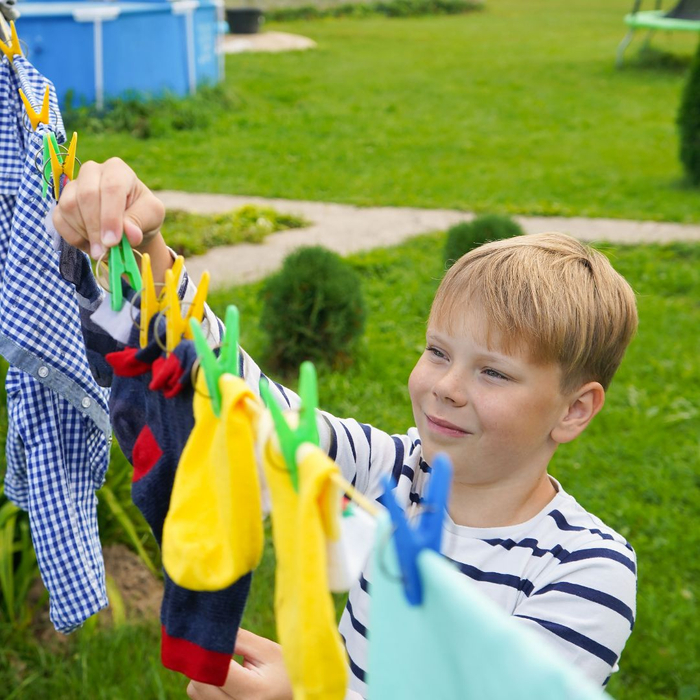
262, 676
105, 200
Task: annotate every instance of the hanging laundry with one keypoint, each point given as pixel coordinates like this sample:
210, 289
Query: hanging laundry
302, 523
199, 630
213, 532
469, 649
58, 425
347, 555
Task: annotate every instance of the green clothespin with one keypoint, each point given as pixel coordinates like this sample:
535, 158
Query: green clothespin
290, 439
122, 262
226, 363
50, 136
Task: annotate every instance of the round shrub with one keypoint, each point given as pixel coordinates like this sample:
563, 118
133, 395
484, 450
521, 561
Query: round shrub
689, 122
466, 236
313, 309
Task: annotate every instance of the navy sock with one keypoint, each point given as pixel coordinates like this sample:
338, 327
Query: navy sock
198, 628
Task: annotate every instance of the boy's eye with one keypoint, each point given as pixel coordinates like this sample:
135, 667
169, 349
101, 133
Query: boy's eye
435, 352
493, 373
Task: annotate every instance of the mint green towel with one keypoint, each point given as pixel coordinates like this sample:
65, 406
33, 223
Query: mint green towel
457, 645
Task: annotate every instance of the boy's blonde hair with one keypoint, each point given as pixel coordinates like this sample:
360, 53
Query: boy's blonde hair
548, 293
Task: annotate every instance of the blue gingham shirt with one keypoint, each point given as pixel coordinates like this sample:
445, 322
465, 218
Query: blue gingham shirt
58, 423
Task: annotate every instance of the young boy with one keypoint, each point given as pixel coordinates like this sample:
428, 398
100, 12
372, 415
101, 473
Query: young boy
523, 339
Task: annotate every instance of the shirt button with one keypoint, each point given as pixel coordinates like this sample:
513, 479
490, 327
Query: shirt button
43, 372
85, 403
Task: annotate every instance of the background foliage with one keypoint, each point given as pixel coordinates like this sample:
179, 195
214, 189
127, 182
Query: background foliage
516, 108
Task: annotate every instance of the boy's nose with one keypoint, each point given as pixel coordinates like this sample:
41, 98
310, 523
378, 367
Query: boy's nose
452, 389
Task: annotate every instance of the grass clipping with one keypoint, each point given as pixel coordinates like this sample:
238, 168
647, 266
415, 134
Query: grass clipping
193, 234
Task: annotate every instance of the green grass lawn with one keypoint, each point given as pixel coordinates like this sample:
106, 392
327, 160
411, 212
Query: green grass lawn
636, 467
516, 108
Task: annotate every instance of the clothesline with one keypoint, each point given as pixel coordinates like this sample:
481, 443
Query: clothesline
355, 495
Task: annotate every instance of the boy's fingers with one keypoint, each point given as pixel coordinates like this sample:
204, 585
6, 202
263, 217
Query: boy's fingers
67, 232
68, 221
202, 691
240, 684
251, 646
116, 183
87, 194
144, 215
133, 232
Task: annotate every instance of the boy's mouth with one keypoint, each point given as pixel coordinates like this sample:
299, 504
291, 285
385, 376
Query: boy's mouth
444, 427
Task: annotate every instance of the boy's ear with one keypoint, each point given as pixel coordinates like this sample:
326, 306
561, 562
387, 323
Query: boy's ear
584, 404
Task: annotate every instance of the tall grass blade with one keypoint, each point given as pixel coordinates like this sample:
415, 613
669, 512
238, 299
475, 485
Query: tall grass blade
125, 522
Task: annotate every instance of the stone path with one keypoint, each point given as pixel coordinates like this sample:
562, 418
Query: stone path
266, 42
348, 229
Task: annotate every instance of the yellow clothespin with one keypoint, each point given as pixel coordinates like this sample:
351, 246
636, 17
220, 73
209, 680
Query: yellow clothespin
36, 118
149, 299
152, 302
177, 326
13, 48
196, 310
69, 161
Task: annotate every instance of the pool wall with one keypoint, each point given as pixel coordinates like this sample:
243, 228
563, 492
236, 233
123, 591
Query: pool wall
109, 49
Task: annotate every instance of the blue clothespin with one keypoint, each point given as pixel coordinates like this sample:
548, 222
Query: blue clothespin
428, 533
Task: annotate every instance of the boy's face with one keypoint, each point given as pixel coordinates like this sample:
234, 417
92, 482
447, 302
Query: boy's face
491, 412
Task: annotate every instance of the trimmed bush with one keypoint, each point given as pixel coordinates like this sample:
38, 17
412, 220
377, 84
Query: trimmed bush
466, 236
313, 309
689, 122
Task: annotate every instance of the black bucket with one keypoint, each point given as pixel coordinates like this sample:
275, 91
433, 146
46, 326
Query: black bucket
244, 20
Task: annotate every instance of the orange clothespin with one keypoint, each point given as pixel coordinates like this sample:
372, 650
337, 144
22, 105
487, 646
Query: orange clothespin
36, 118
13, 48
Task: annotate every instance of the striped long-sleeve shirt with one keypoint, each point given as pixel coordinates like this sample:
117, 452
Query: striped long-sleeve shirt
564, 573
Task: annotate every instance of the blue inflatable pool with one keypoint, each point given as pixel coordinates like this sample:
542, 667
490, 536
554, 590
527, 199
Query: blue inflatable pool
100, 50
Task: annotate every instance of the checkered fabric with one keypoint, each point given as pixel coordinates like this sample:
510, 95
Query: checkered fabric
58, 434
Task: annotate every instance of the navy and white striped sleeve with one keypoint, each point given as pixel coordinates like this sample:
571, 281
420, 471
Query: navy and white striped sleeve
586, 608
363, 453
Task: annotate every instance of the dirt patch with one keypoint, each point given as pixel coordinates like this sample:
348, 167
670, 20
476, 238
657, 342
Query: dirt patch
140, 591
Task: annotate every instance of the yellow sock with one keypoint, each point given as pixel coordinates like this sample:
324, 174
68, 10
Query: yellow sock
213, 532
302, 522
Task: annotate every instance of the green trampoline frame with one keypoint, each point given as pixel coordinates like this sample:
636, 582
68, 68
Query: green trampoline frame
652, 20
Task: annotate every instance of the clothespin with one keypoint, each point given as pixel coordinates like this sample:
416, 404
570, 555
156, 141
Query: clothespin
69, 162
307, 431
150, 305
428, 533
36, 118
226, 363
152, 302
122, 262
177, 324
50, 147
60, 169
56, 167
13, 48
